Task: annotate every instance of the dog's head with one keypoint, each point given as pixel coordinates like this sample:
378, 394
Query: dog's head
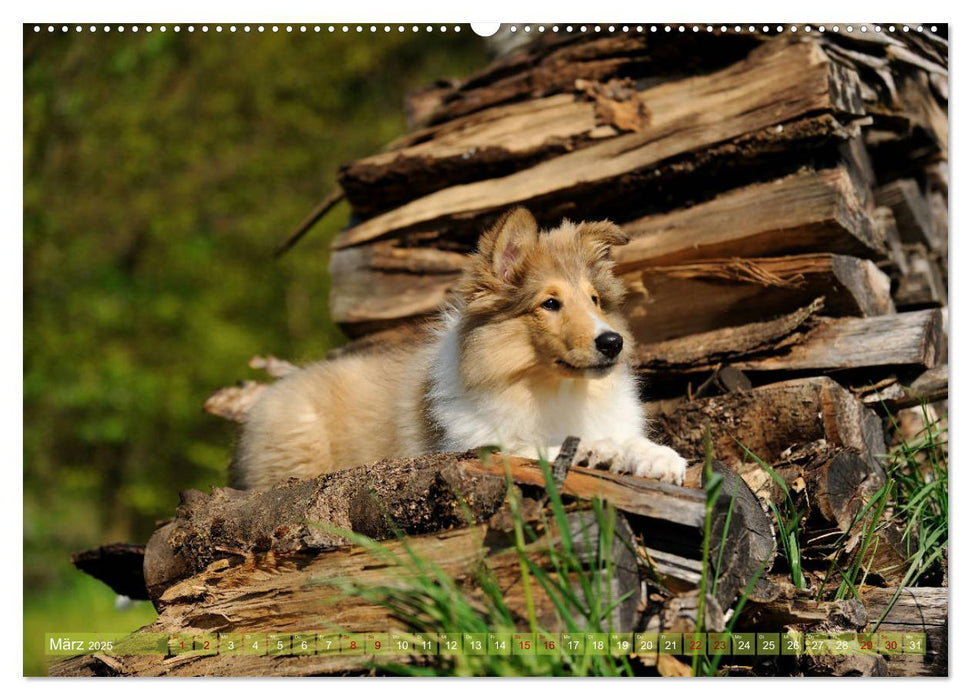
545, 304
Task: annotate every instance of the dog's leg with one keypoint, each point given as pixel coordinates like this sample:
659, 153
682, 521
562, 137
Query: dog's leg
638, 456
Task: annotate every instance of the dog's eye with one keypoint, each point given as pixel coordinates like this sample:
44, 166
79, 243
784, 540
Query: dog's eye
551, 304
596, 301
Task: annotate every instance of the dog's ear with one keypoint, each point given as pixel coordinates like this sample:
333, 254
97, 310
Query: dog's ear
601, 236
506, 244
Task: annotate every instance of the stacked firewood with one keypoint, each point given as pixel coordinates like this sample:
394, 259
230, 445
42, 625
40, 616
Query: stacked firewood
786, 196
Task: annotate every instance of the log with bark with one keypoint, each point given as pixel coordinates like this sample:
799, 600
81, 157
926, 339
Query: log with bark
247, 561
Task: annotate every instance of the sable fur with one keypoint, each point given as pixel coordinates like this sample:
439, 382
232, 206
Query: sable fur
500, 368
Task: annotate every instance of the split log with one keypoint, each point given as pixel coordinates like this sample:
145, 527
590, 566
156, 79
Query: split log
764, 97
498, 141
915, 338
804, 213
920, 610
677, 300
922, 285
887, 227
795, 343
911, 211
553, 63
929, 387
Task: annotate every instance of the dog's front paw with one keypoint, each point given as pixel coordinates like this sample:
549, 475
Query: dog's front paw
648, 459
599, 454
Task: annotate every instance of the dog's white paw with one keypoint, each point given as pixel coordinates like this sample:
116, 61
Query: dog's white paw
648, 459
599, 454
639, 457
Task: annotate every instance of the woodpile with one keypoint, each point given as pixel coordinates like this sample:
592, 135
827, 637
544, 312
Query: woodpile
786, 197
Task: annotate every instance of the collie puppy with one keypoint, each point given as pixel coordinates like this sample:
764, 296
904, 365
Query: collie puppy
532, 349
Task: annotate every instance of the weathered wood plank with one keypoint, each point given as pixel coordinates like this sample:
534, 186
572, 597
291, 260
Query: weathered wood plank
921, 610
677, 300
553, 63
911, 211
755, 94
705, 351
807, 212
810, 212
915, 338
794, 343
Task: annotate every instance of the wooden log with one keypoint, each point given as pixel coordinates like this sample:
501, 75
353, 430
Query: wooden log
486, 144
678, 300
922, 285
491, 143
807, 212
920, 610
417, 495
887, 228
232, 578
365, 500
798, 609
708, 350
930, 387
911, 211
763, 96
793, 343
307, 592
769, 421
915, 339
554, 63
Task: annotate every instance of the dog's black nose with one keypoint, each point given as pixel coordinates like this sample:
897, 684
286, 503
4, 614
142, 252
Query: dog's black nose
609, 344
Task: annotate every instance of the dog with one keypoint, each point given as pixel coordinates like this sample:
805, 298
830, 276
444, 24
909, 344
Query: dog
531, 348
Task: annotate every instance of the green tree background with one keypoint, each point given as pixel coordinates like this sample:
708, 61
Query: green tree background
160, 171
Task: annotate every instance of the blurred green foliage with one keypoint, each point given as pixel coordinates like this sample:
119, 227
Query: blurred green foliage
160, 171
